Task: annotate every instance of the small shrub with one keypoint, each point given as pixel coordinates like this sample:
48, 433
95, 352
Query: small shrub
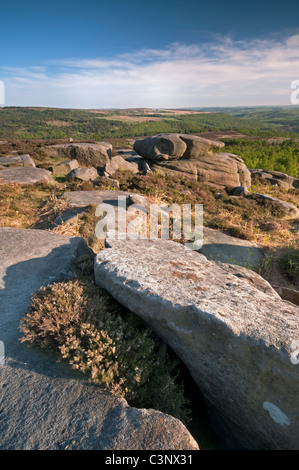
84, 325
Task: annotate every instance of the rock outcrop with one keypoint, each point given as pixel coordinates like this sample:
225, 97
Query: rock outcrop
188, 156
287, 209
238, 342
218, 246
276, 178
220, 169
17, 160
45, 405
25, 175
143, 166
175, 146
287, 293
87, 154
135, 164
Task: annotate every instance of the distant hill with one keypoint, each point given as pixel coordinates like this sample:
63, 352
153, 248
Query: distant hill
50, 123
271, 118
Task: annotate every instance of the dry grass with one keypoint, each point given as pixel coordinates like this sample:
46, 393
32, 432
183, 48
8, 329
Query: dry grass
21, 205
36, 206
280, 267
82, 225
239, 217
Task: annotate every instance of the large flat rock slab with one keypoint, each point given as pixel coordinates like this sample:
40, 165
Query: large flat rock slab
238, 341
218, 246
85, 198
25, 175
45, 404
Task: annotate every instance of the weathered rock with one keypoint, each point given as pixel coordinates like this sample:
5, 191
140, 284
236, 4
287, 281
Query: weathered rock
23, 175
87, 154
198, 147
240, 191
237, 342
251, 277
220, 169
174, 146
44, 404
218, 246
189, 156
85, 198
276, 178
63, 168
161, 147
288, 210
84, 174
119, 163
286, 293
143, 166
69, 215
281, 184
17, 160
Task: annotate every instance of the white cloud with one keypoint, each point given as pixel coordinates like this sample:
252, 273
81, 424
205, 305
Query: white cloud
222, 73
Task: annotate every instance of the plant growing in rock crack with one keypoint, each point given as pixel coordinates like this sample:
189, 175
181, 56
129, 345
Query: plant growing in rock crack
84, 325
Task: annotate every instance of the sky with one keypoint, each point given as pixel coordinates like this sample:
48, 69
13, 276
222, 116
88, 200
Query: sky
157, 54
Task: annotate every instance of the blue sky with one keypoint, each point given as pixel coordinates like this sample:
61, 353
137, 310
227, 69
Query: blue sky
110, 54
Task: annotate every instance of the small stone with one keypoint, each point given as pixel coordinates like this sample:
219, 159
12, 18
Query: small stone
84, 174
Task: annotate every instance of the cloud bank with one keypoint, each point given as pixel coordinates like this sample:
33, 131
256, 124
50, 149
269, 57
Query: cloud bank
219, 73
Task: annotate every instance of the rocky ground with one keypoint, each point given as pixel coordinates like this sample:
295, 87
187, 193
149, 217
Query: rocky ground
234, 304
